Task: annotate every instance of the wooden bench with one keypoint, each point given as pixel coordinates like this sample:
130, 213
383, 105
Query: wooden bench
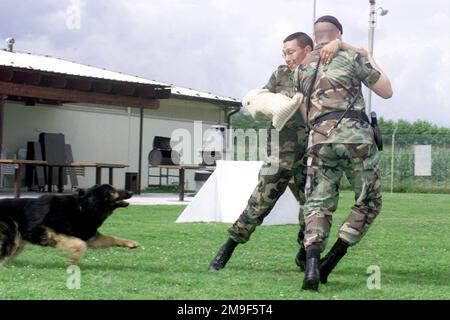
98, 169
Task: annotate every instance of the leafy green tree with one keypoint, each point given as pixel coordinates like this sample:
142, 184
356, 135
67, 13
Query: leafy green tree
243, 120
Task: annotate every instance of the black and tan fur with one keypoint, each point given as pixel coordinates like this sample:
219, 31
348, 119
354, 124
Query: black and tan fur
67, 222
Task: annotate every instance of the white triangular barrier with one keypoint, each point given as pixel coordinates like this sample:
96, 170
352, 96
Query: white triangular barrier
225, 194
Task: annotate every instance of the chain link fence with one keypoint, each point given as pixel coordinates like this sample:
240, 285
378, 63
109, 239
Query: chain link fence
410, 162
416, 162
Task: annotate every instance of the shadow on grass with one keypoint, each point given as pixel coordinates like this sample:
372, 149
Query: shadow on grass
347, 278
106, 266
419, 276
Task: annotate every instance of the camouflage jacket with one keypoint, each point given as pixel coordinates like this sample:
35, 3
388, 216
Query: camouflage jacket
336, 85
282, 81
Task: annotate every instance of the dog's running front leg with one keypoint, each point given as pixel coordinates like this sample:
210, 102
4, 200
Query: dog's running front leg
74, 245
19, 249
100, 241
9, 239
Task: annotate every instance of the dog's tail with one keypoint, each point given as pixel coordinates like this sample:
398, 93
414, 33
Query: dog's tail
9, 237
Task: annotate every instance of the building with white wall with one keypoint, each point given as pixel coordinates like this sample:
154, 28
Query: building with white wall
98, 111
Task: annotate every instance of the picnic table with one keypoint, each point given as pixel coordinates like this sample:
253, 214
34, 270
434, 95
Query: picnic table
97, 165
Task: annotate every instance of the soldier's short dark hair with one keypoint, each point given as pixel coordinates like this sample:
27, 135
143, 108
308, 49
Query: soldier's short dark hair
303, 39
332, 20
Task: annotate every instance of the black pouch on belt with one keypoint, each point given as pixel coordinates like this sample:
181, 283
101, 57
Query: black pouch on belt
376, 131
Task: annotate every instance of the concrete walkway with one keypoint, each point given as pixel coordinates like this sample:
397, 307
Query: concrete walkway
160, 198
142, 199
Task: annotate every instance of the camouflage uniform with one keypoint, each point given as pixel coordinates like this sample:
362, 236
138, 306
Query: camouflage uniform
292, 163
349, 149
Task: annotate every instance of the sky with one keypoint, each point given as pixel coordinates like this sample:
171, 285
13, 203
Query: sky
230, 47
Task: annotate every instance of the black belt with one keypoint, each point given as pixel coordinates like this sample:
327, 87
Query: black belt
335, 115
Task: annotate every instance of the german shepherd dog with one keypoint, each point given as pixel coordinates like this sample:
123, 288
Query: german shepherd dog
68, 222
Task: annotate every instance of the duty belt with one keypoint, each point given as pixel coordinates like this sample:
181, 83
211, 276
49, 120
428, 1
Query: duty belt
338, 115
335, 115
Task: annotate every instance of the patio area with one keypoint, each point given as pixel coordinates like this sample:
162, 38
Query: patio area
142, 199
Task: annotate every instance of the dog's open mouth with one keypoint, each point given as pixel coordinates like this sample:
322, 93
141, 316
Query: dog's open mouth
121, 203
123, 196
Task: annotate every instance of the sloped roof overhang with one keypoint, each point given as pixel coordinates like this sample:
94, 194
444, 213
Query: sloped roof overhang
38, 85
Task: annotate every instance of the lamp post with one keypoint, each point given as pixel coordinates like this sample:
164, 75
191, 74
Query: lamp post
372, 25
314, 13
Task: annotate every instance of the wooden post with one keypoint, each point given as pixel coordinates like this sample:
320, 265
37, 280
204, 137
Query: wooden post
111, 176
2, 114
17, 180
141, 129
181, 183
98, 175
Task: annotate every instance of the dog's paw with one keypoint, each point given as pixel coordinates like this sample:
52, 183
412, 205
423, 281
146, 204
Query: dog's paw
71, 262
132, 244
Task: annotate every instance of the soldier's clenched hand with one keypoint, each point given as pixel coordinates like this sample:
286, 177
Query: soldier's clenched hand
328, 52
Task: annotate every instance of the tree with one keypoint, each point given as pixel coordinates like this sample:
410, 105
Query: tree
243, 120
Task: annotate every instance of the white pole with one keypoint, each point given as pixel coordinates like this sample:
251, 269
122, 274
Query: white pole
372, 25
314, 14
392, 159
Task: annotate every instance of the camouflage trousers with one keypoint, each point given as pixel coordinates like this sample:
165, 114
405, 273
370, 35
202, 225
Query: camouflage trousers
328, 162
292, 163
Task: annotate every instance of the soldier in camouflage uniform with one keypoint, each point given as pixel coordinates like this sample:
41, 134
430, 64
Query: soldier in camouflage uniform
291, 163
333, 151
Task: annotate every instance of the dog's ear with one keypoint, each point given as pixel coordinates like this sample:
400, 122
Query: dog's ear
107, 189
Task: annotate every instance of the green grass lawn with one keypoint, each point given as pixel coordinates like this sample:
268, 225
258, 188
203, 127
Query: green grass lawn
409, 241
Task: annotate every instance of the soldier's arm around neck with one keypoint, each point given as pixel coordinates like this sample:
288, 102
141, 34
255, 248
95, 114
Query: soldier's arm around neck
383, 86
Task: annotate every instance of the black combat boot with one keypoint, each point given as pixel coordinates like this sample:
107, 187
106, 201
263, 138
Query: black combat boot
224, 254
312, 276
300, 258
332, 258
